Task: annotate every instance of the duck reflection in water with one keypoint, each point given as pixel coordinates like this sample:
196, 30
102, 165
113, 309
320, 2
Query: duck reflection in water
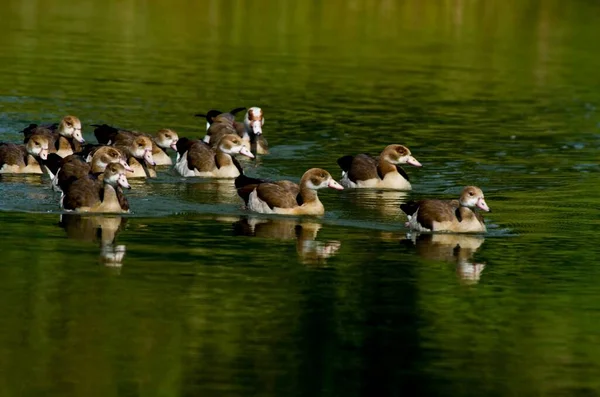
310, 251
456, 248
386, 202
94, 229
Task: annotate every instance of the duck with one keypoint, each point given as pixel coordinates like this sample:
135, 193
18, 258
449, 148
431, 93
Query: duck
286, 197
24, 158
98, 194
138, 152
253, 122
383, 172
164, 139
65, 138
213, 113
456, 216
198, 159
222, 125
75, 167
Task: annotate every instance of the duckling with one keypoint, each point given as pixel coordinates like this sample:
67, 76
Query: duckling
364, 171
287, 197
253, 122
98, 194
74, 167
138, 151
448, 215
24, 159
64, 138
165, 139
199, 159
212, 114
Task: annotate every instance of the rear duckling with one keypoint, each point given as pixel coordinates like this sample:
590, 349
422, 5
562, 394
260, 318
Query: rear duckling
64, 138
138, 151
24, 159
199, 159
75, 167
383, 172
164, 140
285, 197
448, 215
253, 123
102, 194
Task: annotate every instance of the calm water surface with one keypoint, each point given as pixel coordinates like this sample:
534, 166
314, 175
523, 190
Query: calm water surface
205, 299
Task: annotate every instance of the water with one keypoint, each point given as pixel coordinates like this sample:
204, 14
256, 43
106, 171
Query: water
208, 300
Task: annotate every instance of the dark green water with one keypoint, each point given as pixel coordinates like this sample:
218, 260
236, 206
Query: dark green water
209, 301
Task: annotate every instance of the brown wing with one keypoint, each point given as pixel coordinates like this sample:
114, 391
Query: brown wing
277, 195
12, 154
240, 128
364, 167
436, 211
201, 157
73, 168
84, 192
218, 131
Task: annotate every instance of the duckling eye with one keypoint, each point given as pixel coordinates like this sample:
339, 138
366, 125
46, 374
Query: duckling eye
140, 144
37, 144
471, 193
168, 136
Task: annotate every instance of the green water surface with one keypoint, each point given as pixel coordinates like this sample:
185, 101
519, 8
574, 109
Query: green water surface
206, 299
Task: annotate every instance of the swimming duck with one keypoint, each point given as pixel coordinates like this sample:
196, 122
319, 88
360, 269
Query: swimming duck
74, 167
64, 138
448, 215
364, 171
98, 194
212, 114
285, 197
24, 158
199, 159
164, 139
138, 151
253, 122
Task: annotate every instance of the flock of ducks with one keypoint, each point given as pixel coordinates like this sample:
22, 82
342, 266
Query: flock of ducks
92, 177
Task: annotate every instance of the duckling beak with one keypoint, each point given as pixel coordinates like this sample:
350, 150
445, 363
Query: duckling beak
125, 165
334, 185
246, 152
44, 154
174, 145
413, 161
123, 181
483, 205
148, 157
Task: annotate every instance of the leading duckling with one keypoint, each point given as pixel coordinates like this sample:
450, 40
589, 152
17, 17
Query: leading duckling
458, 216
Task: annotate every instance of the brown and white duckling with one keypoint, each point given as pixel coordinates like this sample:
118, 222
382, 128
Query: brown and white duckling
448, 215
199, 159
164, 139
212, 114
384, 172
74, 167
285, 197
253, 123
138, 151
98, 194
222, 125
24, 159
64, 138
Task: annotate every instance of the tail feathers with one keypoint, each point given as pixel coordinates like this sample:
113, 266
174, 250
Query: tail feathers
237, 110
244, 180
345, 162
105, 133
410, 207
